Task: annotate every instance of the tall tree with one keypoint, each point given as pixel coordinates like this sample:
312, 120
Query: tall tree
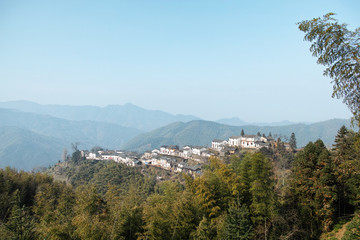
238, 225
262, 205
346, 158
292, 141
91, 214
313, 184
338, 48
21, 224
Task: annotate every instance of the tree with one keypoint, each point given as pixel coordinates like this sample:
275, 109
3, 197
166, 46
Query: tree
21, 223
262, 185
337, 48
292, 141
242, 132
346, 158
95, 149
53, 208
65, 155
91, 214
313, 184
238, 224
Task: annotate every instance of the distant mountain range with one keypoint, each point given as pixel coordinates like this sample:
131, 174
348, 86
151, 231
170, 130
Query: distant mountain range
127, 115
28, 139
24, 149
88, 133
34, 135
203, 132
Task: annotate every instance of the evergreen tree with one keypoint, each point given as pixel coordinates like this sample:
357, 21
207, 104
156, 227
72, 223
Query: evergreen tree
238, 224
346, 158
292, 141
242, 132
262, 191
20, 223
313, 184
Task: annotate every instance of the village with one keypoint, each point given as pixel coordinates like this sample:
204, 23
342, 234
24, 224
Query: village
188, 159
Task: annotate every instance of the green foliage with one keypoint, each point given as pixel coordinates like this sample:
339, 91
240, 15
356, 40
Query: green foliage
54, 210
292, 141
346, 156
261, 188
125, 213
216, 188
20, 223
337, 48
169, 214
91, 213
353, 229
314, 186
238, 224
76, 156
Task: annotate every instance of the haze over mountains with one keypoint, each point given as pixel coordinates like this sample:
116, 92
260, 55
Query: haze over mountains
127, 115
34, 135
201, 133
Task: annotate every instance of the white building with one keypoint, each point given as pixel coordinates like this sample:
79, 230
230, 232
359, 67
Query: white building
186, 152
248, 141
218, 144
234, 141
198, 150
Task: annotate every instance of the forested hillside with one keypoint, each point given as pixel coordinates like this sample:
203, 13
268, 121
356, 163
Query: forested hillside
203, 132
269, 194
27, 150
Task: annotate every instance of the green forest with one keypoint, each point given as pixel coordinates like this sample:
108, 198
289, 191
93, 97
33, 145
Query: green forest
268, 194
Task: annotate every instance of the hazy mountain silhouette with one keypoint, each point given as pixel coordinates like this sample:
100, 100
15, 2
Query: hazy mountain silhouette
127, 115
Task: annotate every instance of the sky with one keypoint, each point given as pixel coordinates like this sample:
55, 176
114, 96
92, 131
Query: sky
211, 59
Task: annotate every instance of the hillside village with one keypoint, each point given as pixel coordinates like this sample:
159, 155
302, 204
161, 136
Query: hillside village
188, 159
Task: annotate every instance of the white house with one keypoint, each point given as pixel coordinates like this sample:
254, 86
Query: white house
218, 144
234, 141
248, 141
93, 156
186, 152
198, 150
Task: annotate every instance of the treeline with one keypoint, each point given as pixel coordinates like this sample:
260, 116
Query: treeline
270, 194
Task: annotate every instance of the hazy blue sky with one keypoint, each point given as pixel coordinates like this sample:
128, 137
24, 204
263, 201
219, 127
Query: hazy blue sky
212, 59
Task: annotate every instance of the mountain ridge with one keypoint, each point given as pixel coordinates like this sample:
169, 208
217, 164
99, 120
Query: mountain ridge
200, 132
16, 142
88, 133
127, 115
